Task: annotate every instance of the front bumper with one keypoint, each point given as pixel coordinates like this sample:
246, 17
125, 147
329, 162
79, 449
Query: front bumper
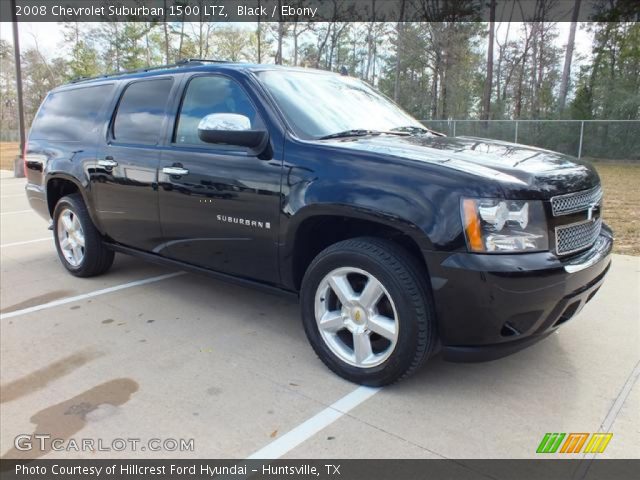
490, 306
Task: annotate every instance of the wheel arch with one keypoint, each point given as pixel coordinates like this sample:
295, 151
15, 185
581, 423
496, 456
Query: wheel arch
61, 184
314, 228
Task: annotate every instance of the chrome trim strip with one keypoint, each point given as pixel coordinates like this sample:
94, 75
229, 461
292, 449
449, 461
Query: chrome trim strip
581, 266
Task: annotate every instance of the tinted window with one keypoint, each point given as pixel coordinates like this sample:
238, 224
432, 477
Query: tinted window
318, 104
70, 115
207, 95
141, 112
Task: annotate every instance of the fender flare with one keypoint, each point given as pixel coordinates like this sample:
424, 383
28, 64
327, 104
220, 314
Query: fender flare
288, 237
349, 211
82, 189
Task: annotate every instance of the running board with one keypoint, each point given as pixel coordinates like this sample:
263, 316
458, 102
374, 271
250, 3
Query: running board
225, 277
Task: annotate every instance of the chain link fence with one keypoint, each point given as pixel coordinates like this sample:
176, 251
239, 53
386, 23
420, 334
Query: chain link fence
591, 139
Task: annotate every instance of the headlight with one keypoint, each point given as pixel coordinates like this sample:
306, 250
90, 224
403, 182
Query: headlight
497, 225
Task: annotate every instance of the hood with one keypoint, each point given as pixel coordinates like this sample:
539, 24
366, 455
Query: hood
522, 171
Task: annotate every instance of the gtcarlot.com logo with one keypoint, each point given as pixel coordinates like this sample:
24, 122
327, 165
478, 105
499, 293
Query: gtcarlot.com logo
574, 442
45, 442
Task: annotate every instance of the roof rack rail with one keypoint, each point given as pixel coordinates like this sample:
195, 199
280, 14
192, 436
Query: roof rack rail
180, 63
203, 60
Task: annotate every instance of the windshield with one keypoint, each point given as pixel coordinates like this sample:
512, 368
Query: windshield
318, 105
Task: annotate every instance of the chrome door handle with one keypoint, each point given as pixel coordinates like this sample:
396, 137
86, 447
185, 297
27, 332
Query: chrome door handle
108, 163
175, 171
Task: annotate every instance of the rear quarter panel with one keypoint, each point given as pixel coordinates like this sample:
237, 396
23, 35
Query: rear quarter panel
61, 157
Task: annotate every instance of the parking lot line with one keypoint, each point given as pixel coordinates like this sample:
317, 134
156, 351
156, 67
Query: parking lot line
17, 211
103, 291
607, 423
15, 244
310, 427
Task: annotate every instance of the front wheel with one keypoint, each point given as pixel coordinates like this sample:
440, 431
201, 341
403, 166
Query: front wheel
367, 311
78, 242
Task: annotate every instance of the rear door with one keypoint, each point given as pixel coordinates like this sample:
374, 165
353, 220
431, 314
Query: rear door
219, 204
126, 177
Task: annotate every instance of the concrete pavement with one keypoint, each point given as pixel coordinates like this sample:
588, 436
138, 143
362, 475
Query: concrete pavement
188, 357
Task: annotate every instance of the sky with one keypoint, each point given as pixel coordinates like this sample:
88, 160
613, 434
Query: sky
50, 41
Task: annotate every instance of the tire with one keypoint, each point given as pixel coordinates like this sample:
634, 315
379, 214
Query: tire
71, 221
399, 326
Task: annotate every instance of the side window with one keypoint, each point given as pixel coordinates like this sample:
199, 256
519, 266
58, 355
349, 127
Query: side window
207, 95
141, 112
70, 115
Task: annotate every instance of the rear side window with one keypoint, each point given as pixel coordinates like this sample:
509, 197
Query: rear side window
141, 112
70, 115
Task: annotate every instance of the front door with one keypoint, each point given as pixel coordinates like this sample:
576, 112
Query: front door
125, 179
219, 204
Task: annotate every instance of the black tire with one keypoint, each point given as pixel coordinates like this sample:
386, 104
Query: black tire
405, 282
97, 258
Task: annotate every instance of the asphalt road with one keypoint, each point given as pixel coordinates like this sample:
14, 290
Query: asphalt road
145, 352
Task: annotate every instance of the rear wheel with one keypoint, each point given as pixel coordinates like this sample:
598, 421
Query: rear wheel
77, 240
367, 311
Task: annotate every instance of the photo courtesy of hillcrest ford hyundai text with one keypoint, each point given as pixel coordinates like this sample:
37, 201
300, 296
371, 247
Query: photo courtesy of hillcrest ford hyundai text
400, 242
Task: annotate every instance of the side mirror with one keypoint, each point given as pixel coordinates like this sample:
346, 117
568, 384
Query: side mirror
232, 129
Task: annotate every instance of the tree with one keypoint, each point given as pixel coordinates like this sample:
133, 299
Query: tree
446, 68
9, 103
280, 31
40, 75
568, 58
399, 47
232, 44
259, 46
83, 60
610, 87
165, 29
488, 84
202, 32
297, 28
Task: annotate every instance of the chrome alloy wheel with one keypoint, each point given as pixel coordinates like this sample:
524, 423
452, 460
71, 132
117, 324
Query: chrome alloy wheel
70, 237
356, 317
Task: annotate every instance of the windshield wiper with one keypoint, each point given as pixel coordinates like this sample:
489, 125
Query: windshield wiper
361, 132
413, 130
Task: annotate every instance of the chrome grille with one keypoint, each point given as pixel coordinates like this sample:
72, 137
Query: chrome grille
577, 236
576, 202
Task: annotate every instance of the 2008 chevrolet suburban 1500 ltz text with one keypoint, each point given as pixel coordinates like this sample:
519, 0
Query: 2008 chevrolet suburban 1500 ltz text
399, 241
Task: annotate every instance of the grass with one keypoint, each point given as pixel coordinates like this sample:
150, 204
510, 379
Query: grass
621, 181
8, 151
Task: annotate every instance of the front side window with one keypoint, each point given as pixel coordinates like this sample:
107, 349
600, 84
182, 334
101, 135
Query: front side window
141, 112
319, 104
208, 95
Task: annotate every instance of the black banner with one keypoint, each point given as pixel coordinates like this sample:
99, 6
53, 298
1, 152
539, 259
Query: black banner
322, 469
318, 10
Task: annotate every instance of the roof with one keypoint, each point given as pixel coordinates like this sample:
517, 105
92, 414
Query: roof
189, 65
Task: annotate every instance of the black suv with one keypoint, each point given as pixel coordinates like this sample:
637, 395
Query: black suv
400, 241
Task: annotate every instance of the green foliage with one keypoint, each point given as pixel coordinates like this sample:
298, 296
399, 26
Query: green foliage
231, 43
84, 61
433, 70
